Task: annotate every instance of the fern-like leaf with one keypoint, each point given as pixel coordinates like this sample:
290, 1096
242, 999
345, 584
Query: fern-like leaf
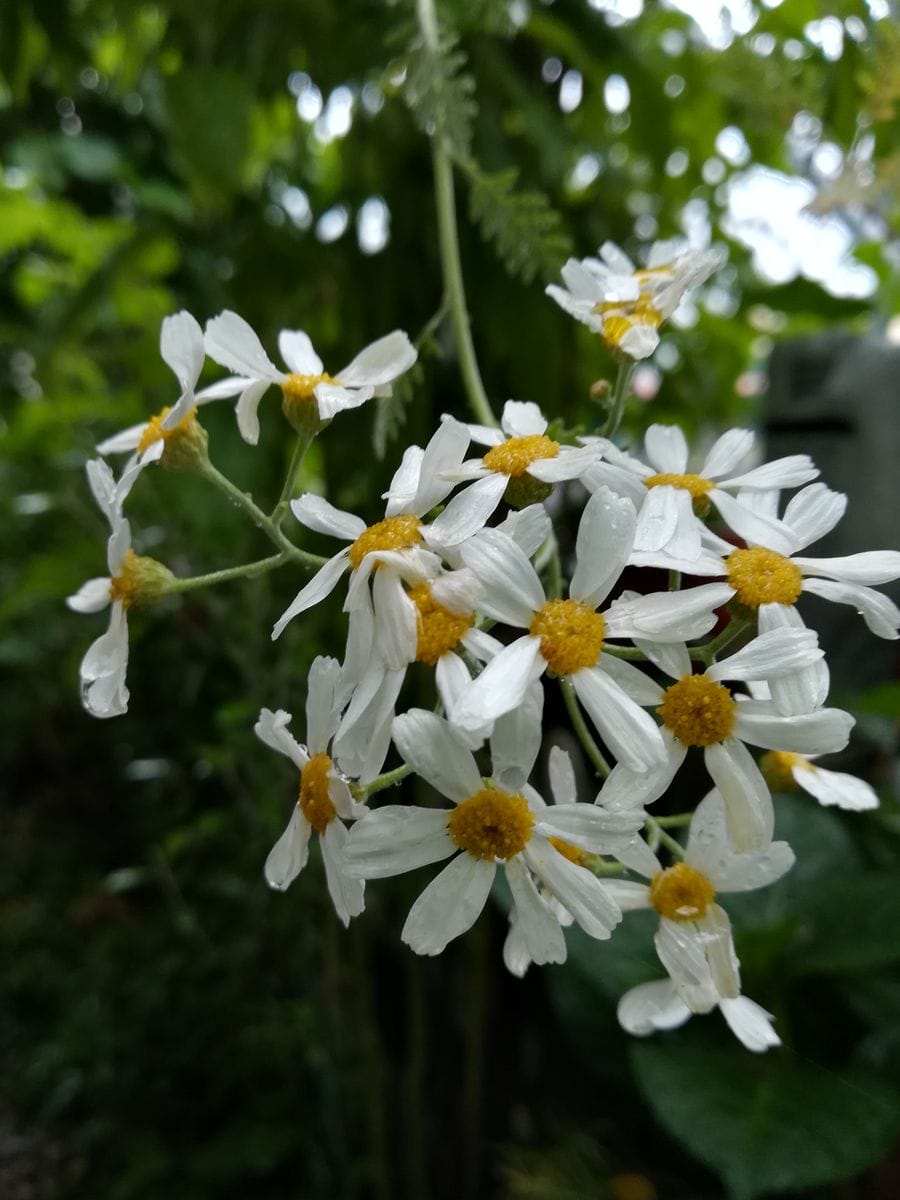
441, 93
391, 411
527, 233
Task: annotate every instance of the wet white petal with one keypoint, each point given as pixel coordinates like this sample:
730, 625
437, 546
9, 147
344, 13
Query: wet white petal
397, 838
748, 804
792, 471
522, 418
680, 946
776, 652
231, 342
750, 1023
631, 734
297, 351
835, 787
805, 688
332, 398
428, 743
323, 708
346, 891
726, 453
590, 827
602, 547
449, 905
395, 620
128, 439
501, 685
634, 683
822, 732
535, 922
467, 512
288, 856
516, 740
272, 729
652, 1006
667, 616
103, 669
813, 512
321, 585
181, 347
666, 449
247, 406
576, 889
755, 528
562, 776
880, 613
868, 567
512, 589
91, 596
381, 362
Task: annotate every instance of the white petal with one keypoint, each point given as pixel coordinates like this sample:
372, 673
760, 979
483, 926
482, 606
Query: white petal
752, 870
792, 471
631, 896
91, 596
668, 616
562, 776
516, 740
501, 685
363, 739
576, 889
773, 653
321, 585
604, 541
246, 411
224, 389
346, 890
879, 612
634, 683
395, 620
451, 677
652, 1006
803, 689
822, 732
323, 708
535, 922
102, 483
288, 856
749, 525
297, 351
512, 589
380, 362
750, 1023
626, 788
449, 905
570, 463
128, 439
429, 745
331, 399
528, 528
589, 827
835, 787
868, 567
522, 418
658, 518
118, 544
813, 512
271, 728
726, 452
619, 479
628, 731
748, 805
181, 347
467, 513
231, 342
444, 452
639, 341
398, 838
680, 946
666, 449
516, 958
103, 669
715, 930
671, 657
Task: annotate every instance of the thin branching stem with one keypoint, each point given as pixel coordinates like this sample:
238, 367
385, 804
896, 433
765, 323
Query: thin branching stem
591, 749
247, 571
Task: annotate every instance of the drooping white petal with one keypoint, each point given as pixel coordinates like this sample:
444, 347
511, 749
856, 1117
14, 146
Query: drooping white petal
467, 513
667, 616
323, 706
666, 449
332, 398
715, 930
449, 905
629, 895
868, 567
576, 889
748, 804
589, 827
516, 740
457, 591
639, 341
128, 439
788, 472
618, 479
681, 949
634, 683
296, 349
751, 526
562, 776
512, 589
181, 347
750, 1023
626, 788
395, 620
570, 463
813, 512
103, 668
363, 738
880, 613
246, 411
631, 734
231, 342
535, 921
602, 547
397, 838
118, 545
835, 787
272, 729
501, 686
102, 483
658, 518
321, 585
726, 453
671, 657
650, 1007
776, 652
288, 856
381, 362
528, 528
222, 389
752, 870
516, 957
806, 687
428, 743
91, 596
822, 732
522, 418
346, 891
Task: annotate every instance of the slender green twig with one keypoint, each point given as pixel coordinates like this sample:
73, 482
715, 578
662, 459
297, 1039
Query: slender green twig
660, 837
629, 652
591, 749
448, 240
279, 512
674, 581
362, 791
619, 396
258, 517
676, 821
735, 627
247, 571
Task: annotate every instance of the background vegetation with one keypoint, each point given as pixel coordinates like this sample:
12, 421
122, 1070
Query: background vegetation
170, 1027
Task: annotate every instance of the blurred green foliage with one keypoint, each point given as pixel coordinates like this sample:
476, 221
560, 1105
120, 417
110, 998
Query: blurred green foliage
169, 1026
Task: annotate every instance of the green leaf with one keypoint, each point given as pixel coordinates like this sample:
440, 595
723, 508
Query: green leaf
528, 233
209, 123
767, 1124
853, 925
441, 93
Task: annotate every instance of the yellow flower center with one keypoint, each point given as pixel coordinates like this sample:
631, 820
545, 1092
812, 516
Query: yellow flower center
623, 315
571, 635
698, 710
695, 484
567, 850
154, 431
302, 387
438, 630
760, 576
514, 456
681, 893
315, 802
491, 824
394, 533
778, 766
140, 580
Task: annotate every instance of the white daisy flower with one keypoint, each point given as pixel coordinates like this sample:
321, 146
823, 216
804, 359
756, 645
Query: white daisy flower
132, 579
522, 463
174, 432
626, 305
666, 494
568, 636
693, 939
785, 772
394, 548
306, 386
699, 710
655, 1006
492, 823
324, 802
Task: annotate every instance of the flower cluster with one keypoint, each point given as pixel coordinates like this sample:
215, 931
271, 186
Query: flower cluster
463, 575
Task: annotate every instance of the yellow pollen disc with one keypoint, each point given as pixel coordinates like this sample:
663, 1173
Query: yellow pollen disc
394, 533
315, 802
623, 315
778, 766
125, 585
760, 576
571, 635
567, 850
491, 824
695, 484
302, 387
681, 893
438, 630
698, 710
514, 456
154, 430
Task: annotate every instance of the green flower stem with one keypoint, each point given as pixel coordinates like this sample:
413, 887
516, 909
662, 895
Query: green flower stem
619, 396
259, 518
677, 821
735, 627
247, 571
279, 512
363, 790
629, 652
659, 837
448, 238
674, 581
591, 749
